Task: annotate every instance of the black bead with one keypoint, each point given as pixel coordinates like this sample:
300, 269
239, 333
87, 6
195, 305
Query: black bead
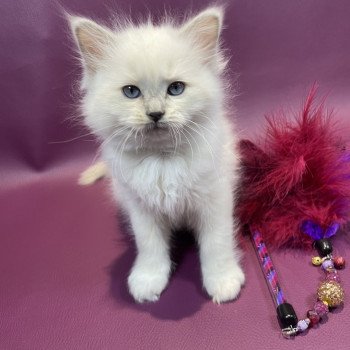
286, 316
323, 246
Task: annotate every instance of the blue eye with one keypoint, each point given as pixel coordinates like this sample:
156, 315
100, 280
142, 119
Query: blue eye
131, 91
176, 88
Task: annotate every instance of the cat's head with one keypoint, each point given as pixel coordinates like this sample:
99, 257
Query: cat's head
148, 86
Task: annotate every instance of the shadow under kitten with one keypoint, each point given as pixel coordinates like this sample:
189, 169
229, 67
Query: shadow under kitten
184, 295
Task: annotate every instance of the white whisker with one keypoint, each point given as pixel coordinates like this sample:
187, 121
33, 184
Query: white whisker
122, 151
194, 139
210, 149
188, 141
201, 126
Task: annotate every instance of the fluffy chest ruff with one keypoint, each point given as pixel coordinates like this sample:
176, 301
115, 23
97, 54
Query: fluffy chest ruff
166, 184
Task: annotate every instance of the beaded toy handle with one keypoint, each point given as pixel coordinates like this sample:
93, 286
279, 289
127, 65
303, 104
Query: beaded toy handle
330, 294
268, 269
285, 312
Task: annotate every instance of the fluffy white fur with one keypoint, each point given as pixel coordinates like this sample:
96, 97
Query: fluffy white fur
184, 171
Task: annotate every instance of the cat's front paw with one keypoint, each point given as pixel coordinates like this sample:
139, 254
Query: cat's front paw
224, 286
147, 284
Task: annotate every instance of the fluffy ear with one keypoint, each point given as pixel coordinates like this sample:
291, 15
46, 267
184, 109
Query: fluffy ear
205, 28
92, 40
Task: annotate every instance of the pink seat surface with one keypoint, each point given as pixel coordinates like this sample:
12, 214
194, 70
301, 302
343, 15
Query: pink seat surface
65, 250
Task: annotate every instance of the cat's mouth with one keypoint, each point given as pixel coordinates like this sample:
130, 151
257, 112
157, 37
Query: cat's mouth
157, 127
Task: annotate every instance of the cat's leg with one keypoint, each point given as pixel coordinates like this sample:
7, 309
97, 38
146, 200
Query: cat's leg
150, 273
219, 254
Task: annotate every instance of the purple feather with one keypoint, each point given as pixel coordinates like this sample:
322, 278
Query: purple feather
315, 231
331, 230
312, 229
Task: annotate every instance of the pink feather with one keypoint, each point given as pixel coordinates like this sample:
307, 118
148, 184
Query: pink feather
301, 172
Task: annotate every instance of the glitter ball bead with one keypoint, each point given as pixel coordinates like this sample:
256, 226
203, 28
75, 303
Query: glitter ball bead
316, 261
303, 325
339, 262
331, 292
327, 265
313, 317
333, 276
321, 308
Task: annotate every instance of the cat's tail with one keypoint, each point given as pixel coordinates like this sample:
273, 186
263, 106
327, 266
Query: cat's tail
93, 173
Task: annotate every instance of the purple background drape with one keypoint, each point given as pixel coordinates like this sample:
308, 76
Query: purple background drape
65, 253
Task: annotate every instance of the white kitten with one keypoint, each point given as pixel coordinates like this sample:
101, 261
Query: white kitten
154, 95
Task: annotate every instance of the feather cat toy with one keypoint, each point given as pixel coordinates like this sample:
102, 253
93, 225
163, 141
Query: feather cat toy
297, 194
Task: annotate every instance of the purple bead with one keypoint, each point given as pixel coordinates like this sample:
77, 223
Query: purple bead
327, 264
303, 325
321, 308
333, 276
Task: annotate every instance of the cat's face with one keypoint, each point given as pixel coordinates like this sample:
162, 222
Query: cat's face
151, 86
